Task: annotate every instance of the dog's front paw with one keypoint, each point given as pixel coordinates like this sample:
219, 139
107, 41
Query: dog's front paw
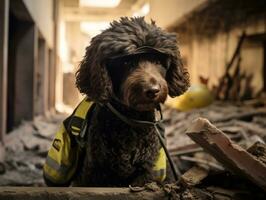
152, 186
142, 180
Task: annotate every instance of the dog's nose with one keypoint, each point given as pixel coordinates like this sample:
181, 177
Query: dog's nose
152, 92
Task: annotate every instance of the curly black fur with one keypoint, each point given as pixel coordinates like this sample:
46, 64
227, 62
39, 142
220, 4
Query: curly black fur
115, 155
124, 37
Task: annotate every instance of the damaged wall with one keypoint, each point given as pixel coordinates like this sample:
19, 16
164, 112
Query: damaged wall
208, 56
26, 74
210, 33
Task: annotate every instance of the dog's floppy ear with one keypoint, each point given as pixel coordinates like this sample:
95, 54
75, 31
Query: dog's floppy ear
177, 76
92, 77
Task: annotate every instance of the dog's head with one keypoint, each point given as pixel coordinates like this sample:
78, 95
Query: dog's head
135, 61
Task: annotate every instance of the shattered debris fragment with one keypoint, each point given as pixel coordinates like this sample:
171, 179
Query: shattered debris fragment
259, 151
194, 176
229, 154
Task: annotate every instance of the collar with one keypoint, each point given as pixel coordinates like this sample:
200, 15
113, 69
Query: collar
134, 122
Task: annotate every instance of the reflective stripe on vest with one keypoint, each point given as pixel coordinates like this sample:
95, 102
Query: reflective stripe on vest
61, 162
159, 169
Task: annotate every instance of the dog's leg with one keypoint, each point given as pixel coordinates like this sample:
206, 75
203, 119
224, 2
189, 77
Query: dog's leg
143, 176
169, 174
142, 180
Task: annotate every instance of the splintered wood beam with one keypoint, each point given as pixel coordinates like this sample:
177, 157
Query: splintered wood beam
229, 154
78, 193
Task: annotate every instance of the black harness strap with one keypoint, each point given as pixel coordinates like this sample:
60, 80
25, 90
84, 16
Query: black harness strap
159, 130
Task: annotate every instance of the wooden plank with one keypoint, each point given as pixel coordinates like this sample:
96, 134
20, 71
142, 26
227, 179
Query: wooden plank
226, 79
231, 155
77, 193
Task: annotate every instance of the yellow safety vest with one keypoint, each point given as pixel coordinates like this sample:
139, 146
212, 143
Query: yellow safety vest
63, 156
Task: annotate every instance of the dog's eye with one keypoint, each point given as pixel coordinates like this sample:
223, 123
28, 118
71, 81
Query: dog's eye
129, 64
164, 63
126, 62
158, 62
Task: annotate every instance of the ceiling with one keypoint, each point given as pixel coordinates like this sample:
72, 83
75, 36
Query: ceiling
73, 13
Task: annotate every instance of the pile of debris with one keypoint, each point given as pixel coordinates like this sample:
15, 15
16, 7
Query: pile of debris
26, 150
224, 157
220, 157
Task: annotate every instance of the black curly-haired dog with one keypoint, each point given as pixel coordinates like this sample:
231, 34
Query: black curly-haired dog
134, 66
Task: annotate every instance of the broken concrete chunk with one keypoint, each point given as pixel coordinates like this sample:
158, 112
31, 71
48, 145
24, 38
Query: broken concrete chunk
194, 176
195, 193
259, 151
231, 155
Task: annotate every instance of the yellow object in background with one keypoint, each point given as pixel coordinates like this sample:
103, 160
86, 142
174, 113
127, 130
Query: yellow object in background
197, 96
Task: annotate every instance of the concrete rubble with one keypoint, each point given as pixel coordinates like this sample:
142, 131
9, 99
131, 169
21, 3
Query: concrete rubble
206, 173
26, 150
228, 165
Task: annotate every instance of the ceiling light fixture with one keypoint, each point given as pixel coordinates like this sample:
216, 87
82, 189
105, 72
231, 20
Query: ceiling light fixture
143, 11
99, 3
93, 28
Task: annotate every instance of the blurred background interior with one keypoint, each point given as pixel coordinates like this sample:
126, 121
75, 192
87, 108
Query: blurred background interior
222, 43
